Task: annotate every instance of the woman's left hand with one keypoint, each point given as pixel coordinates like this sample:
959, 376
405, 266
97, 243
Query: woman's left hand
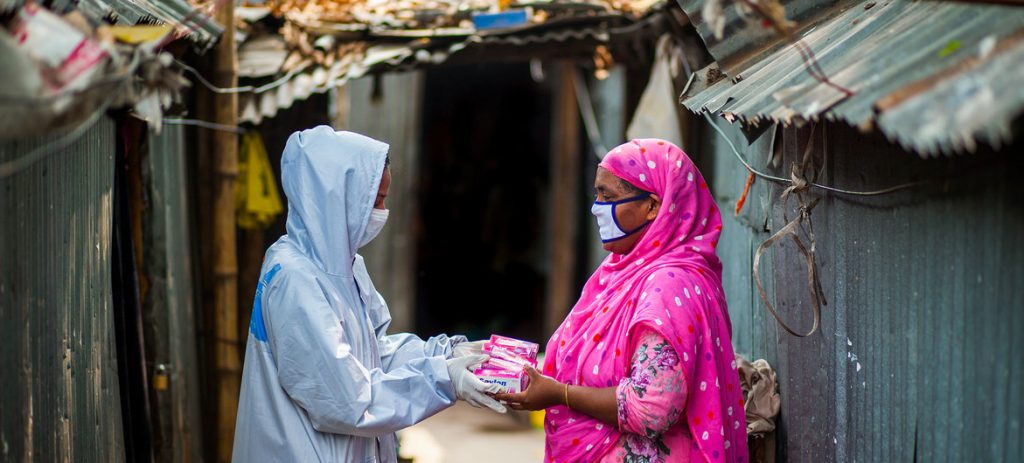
543, 392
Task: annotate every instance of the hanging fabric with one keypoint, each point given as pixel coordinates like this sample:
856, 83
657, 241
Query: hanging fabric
656, 115
257, 200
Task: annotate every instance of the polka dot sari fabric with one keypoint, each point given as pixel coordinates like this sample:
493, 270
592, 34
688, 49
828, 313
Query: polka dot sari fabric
671, 283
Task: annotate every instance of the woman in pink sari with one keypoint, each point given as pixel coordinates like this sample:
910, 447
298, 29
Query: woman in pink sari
642, 369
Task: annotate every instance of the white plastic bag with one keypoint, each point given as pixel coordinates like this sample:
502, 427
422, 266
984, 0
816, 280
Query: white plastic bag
656, 115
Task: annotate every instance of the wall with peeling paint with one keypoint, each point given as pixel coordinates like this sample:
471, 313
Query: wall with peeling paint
58, 387
915, 358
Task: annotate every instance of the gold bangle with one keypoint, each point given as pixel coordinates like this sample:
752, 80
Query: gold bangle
567, 396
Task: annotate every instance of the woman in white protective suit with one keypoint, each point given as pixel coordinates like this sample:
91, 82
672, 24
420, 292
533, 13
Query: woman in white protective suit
323, 381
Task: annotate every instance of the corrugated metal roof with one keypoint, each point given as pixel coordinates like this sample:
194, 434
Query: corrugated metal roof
933, 76
434, 14
345, 57
196, 25
334, 41
744, 37
264, 103
262, 56
192, 23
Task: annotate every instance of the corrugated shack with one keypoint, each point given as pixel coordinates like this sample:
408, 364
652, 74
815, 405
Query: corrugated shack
95, 305
885, 136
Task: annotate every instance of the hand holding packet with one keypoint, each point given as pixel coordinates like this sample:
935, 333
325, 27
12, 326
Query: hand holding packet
505, 367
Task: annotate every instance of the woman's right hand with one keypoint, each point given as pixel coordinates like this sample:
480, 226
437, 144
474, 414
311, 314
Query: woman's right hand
543, 392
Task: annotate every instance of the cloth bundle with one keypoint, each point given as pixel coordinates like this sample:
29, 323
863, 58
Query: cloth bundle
761, 397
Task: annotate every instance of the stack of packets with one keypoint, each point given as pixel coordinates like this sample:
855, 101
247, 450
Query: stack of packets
506, 367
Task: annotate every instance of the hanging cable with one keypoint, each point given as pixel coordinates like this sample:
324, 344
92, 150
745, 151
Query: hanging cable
242, 89
205, 125
786, 181
209, 85
781, 180
22, 162
24, 100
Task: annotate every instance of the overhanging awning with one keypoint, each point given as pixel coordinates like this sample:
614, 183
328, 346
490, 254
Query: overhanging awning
935, 77
324, 43
189, 21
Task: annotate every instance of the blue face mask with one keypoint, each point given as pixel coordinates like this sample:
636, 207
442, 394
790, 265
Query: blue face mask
608, 223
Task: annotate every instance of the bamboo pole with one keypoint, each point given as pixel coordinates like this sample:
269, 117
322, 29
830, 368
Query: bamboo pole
224, 152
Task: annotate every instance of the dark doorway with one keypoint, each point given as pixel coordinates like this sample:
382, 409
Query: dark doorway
482, 243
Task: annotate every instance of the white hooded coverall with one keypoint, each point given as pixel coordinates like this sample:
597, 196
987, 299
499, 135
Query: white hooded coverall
322, 380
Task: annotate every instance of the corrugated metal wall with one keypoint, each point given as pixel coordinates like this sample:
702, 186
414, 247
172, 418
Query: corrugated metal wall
59, 390
393, 119
916, 357
169, 308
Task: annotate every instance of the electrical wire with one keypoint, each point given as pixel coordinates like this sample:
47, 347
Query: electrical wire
738, 156
205, 125
242, 89
23, 100
773, 178
786, 181
14, 166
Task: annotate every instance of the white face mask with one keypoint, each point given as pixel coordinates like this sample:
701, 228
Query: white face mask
608, 223
378, 217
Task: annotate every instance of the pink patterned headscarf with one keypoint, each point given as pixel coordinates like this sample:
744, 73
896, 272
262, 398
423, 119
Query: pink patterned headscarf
671, 282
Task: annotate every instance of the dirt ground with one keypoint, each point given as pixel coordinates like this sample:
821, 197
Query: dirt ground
463, 434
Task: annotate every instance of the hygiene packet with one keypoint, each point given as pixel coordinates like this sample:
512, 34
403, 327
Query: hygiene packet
505, 367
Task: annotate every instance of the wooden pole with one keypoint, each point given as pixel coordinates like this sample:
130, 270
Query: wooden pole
565, 190
224, 153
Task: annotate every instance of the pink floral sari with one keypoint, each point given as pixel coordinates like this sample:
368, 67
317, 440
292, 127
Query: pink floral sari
671, 282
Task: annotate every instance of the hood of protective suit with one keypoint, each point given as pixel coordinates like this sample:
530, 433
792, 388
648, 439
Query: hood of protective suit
331, 180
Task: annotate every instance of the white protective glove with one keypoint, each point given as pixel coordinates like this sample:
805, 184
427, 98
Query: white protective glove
467, 348
468, 387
